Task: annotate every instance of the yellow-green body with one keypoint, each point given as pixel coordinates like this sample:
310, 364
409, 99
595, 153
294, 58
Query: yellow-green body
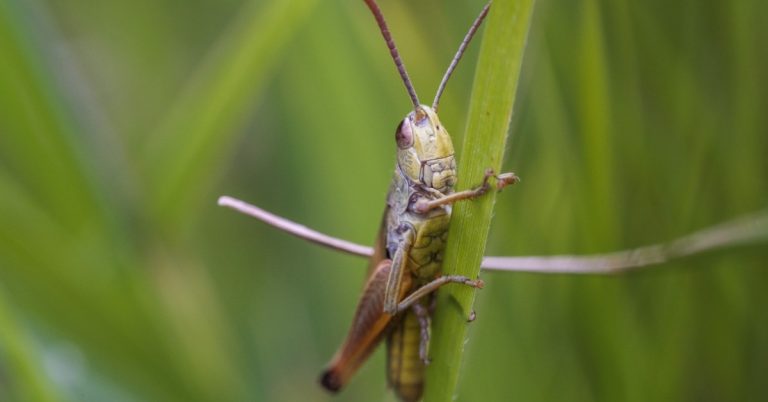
427, 232
426, 169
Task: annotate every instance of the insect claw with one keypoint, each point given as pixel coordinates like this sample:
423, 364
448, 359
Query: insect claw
506, 179
472, 316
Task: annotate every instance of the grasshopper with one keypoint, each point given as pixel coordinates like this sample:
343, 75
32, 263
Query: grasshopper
405, 267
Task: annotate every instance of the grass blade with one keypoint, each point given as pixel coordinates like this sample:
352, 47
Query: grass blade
204, 122
29, 382
490, 111
38, 142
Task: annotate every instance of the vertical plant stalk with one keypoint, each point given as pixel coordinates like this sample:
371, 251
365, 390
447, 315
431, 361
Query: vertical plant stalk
490, 112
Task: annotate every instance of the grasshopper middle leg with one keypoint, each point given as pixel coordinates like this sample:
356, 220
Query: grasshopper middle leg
434, 285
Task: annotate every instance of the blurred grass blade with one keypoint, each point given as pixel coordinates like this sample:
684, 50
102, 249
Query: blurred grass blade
16, 355
595, 117
490, 112
182, 154
38, 142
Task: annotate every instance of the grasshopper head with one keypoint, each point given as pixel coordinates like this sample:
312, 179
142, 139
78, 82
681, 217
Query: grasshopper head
425, 151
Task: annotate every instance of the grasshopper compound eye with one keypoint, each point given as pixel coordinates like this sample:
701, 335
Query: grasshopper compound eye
404, 134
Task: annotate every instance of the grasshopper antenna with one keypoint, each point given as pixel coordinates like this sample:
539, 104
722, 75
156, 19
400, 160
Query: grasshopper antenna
393, 51
459, 53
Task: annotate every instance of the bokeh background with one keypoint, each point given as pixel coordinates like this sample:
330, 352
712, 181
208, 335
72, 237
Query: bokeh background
121, 122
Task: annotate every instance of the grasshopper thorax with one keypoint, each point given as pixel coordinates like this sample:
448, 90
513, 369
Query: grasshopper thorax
425, 151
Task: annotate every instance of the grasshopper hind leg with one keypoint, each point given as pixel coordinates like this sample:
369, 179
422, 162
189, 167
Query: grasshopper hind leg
369, 327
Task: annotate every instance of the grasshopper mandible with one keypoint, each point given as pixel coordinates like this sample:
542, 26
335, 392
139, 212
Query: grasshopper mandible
406, 264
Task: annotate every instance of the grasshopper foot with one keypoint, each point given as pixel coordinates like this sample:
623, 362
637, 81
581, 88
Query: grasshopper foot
506, 179
502, 180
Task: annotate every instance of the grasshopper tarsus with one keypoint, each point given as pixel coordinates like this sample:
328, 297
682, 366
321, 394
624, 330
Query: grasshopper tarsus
502, 179
506, 179
475, 283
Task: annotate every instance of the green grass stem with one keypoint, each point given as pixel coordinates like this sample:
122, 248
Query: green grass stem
490, 112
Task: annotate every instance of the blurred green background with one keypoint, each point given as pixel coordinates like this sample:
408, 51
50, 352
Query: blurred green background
121, 122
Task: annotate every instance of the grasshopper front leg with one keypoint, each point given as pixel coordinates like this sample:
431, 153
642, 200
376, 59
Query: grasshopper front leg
502, 180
